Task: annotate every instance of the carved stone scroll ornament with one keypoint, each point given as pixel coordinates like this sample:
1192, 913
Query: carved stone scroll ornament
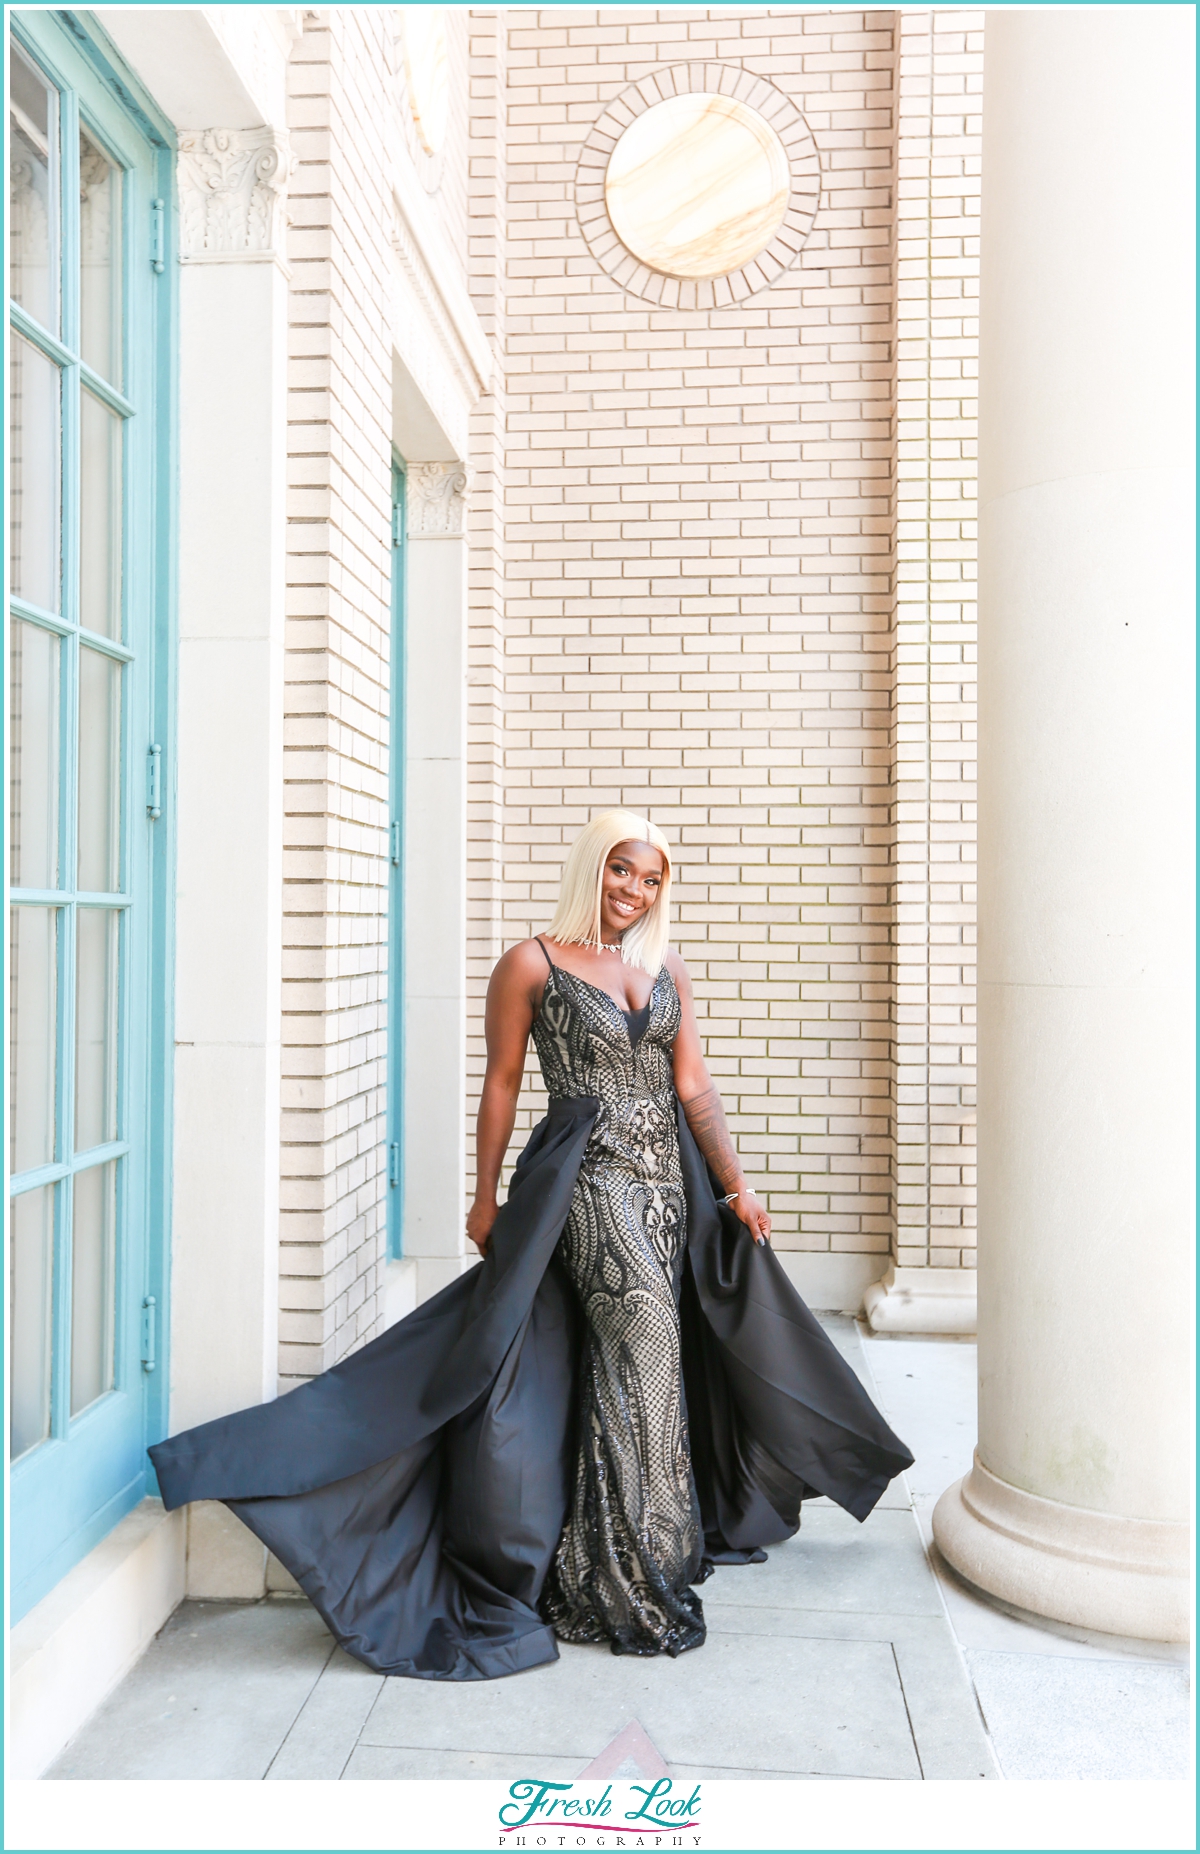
232, 194
435, 498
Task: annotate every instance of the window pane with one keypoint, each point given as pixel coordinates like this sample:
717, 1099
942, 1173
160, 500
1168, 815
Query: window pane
96, 946
33, 756
31, 1278
93, 1225
33, 121
33, 483
99, 772
33, 1011
100, 434
99, 260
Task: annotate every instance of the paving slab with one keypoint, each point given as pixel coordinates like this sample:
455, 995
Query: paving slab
391, 1763
214, 1695
718, 1773
562, 1710
836, 1563
1052, 1717
330, 1722
947, 1725
928, 1390
948, 1729
844, 1711
847, 1335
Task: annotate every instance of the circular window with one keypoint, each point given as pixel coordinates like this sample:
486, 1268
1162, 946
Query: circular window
698, 186
426, 61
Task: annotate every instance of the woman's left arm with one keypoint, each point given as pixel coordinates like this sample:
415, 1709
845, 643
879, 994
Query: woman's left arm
704, 1112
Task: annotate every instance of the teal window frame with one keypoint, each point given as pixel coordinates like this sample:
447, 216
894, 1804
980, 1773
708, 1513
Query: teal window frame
67, 1491
396, 752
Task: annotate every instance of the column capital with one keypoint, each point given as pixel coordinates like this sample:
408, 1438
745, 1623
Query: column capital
436, 498
232, 195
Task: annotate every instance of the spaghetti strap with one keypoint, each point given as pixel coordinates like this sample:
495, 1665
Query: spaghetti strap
542, 944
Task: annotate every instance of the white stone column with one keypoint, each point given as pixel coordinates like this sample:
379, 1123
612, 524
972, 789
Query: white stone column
435, 863
233, 459
1076, 1508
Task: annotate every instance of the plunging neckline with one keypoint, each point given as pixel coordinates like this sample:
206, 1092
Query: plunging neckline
624, 1015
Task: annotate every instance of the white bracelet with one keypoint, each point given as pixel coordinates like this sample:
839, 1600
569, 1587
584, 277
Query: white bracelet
736, 1194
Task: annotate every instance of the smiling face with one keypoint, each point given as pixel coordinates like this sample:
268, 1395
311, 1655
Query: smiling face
629, 886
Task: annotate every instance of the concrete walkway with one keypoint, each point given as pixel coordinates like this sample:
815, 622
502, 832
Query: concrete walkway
849, 1654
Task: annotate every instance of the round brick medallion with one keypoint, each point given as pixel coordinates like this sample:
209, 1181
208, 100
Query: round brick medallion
698, 186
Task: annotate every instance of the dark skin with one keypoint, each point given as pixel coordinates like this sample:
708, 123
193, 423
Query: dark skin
630, 886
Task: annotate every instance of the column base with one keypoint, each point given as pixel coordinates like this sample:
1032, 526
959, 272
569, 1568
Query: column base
399, 1290
434, 1272
922, 1300
1093, 1570
225, 1562
416, 1278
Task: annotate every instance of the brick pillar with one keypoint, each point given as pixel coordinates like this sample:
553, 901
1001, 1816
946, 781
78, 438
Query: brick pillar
337, 693
929, 1285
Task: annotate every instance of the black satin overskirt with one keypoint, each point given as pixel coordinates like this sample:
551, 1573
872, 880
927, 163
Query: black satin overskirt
417, 1491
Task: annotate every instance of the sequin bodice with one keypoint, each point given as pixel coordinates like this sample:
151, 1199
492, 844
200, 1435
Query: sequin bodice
583, 1042
584, 1048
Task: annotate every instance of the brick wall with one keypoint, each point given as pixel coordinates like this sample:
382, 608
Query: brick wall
721, 570
336, 728
699, 589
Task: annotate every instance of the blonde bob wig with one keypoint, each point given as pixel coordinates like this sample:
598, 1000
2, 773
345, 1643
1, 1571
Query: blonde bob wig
577, 917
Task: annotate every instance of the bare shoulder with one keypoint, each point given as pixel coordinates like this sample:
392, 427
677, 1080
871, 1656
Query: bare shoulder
679, 972
522, 968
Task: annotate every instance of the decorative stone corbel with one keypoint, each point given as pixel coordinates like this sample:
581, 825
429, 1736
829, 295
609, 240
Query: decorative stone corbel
232, 195
435, 498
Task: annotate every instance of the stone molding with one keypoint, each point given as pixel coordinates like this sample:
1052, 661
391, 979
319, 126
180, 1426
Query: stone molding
435, 499
437, 333
1102, 1571
429, 168
922, 1300
232, 195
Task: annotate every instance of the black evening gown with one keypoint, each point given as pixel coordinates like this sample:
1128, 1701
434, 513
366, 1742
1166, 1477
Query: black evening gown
626, 1391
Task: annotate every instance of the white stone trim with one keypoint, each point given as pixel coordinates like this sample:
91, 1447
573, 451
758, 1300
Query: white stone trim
922, 1300
399, 1289
73, 1647
436, 331
428, 264
829, 1281
230, 796
435, 913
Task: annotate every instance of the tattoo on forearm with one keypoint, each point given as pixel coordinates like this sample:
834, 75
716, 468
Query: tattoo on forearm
706, 1117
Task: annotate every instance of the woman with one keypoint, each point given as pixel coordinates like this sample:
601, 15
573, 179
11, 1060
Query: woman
627, 1391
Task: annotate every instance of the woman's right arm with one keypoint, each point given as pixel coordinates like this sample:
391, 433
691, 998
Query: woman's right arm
511, 997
